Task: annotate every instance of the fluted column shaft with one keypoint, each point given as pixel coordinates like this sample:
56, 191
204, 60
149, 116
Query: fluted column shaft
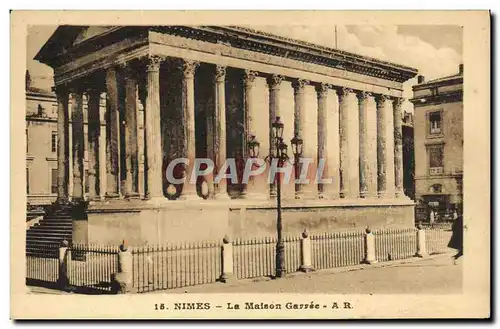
63, 145
94, 145
367, 145
274, 82
78, 146
256, 187
152, 131
349, 144
334, 147
188, 72
220, 129
398, 146
385, 147
299, 130
112, 135
102, 146
323, 143
131, 130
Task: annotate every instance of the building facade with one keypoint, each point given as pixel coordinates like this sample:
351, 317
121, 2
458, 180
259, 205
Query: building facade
204, 91
438, 124
408, 156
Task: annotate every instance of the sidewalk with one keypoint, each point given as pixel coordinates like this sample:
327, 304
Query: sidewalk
434, 275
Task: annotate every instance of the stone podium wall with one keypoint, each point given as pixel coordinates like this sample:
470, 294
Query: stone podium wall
182, 222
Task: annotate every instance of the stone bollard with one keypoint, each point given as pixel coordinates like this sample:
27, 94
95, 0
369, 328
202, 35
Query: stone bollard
370, 257
227, 261
305, 251
64, 253
421, 249
122, 281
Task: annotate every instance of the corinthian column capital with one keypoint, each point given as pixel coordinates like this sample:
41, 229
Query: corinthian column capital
299, 85
153, 63
381, 99
398, 102
344, 92
189, 68
363, 96
275, 80
220, 73
322, 88
249, 77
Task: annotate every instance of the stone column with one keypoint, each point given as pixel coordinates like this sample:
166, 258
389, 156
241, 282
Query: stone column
274, 82
323, 144
94, 146
299, 129
188, 72
102, 147
63, 144
112, 136
367, 145
334, 147
78, 146
152, 131
131, 129
349, 144
220, 130
398, 146
256, 187
385, 147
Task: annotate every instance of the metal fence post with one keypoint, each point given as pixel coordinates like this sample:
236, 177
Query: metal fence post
227, 260
369, 247
421, 249
62, 280
122, 280
305, 250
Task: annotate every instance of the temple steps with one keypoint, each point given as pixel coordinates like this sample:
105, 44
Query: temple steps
44, 238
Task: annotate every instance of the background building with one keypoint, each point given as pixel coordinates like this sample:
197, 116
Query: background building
438, 124
408, 156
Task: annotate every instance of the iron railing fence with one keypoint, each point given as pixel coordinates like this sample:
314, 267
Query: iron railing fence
337, 249
436, 240
254, 257
171, 266
90, 267
395, 243
42, 263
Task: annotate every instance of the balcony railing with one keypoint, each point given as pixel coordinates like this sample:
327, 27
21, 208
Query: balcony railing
435, 171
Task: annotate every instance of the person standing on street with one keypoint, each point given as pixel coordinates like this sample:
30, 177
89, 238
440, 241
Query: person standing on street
456, 241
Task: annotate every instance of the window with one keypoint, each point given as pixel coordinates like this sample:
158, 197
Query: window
87, 187
435, 123
436, 188
54, 142
27, 141
27, 181
53, 185
436, 160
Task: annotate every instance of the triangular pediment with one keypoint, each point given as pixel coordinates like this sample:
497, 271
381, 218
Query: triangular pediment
90, 32
66, 37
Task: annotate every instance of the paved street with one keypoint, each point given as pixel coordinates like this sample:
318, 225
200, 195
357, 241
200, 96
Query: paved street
432, 276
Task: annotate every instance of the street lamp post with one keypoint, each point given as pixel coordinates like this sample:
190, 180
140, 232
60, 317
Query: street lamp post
279, 152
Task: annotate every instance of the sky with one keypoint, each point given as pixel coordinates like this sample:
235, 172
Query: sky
435, 50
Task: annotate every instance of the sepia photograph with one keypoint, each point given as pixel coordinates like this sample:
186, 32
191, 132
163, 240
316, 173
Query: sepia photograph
195, 163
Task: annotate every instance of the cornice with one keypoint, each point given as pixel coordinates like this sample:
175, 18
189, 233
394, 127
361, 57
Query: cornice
262, 42
455, 96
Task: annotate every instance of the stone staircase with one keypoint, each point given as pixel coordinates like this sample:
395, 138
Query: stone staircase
55, 227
